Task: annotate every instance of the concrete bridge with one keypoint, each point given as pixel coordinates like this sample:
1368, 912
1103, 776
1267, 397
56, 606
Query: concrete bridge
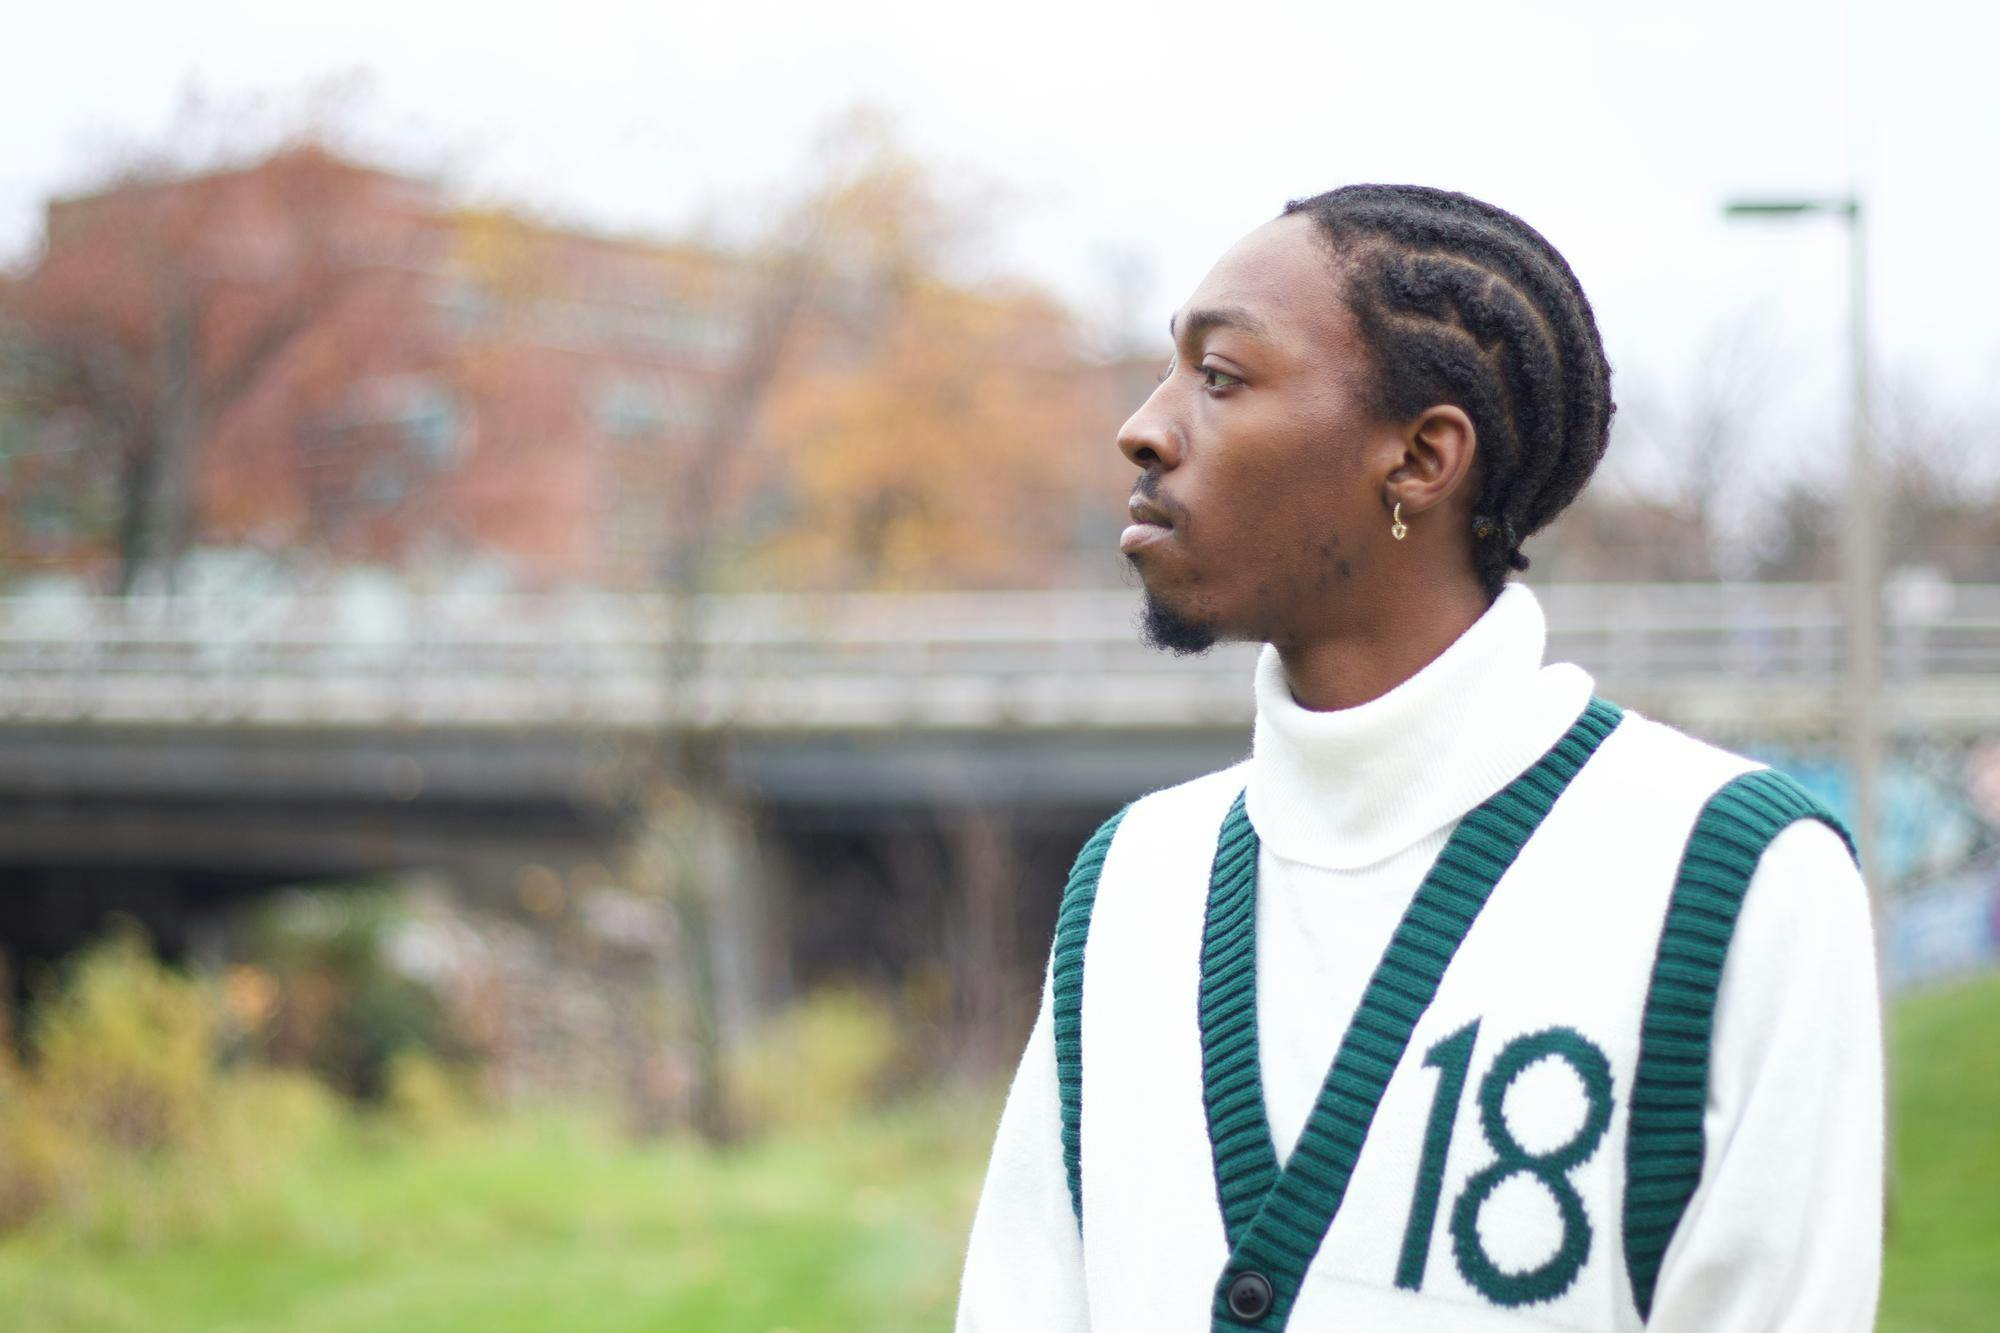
343, 732
160, 755
852, 698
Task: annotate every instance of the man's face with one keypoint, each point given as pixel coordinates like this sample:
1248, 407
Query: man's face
1256, 508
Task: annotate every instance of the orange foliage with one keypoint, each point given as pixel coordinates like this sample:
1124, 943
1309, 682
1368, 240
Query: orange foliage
940, 452
331, 361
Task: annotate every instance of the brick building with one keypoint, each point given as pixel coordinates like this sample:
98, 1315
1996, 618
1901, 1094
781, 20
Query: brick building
339, 365
384, 377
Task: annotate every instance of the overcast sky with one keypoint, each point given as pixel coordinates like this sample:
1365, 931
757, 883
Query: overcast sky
1151, 136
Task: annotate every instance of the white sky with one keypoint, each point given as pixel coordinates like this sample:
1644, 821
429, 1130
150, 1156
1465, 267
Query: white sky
1157, 133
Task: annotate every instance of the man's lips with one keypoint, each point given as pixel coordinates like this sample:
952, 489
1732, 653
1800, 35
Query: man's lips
1141, 534
1149, 524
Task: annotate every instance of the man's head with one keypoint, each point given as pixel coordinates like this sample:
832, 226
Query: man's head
1371, 347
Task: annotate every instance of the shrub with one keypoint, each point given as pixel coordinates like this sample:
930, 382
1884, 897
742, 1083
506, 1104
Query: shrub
122, 1064
424, 1096
40, 1160
816, 1064
123, 1120
125, 1049
264, 1117
341, 1009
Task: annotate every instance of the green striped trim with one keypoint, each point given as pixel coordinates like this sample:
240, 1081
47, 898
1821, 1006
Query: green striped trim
1664, 1141
1066, 969
1286, 1230
1239, 1134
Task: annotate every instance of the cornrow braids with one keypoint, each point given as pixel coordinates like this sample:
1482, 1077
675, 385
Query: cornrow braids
1461, 302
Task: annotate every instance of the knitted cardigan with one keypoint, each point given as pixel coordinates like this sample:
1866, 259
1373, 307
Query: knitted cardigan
1519, 1126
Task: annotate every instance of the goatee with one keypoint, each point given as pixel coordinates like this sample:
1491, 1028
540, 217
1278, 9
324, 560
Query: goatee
1163, 627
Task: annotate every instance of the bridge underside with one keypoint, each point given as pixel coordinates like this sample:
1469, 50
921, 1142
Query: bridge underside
429, 773
867, 842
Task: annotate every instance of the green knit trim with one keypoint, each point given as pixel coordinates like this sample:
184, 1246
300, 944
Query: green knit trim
1664, 1141
1246, 1163
1066, 969
1287, 1228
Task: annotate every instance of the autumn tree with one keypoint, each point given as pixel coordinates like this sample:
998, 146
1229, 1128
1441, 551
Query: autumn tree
938, 427
938, 449
692, 466
165, 310
931, 431
879, 419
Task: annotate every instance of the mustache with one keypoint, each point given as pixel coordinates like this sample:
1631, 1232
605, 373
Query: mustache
1147, 487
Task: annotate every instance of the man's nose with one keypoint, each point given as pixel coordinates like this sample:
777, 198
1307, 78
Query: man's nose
1148, 438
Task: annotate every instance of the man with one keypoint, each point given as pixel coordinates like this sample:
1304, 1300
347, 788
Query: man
1468, 1001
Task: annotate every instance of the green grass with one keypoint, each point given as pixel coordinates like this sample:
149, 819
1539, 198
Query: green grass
543, 1224
1943, 1269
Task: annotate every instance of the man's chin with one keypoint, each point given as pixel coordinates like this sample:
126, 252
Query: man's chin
1183, 635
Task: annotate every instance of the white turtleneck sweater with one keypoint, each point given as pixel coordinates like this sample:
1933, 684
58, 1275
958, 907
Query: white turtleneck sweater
1352, 807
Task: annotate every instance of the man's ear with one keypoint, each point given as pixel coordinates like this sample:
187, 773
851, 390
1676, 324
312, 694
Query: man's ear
1440, 445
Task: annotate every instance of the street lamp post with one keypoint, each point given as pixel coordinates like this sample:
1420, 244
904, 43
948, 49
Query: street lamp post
1860, 541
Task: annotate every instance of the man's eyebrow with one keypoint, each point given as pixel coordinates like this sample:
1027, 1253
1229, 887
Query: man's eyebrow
1210, 317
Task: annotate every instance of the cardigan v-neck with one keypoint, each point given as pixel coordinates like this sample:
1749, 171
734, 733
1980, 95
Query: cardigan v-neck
1275, 1216
1352, 807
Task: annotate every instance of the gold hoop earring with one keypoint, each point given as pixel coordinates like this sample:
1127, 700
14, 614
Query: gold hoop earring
1397, 528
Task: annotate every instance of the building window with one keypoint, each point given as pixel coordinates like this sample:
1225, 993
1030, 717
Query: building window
644, 409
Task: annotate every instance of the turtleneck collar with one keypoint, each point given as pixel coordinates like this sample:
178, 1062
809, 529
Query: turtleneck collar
1351, 787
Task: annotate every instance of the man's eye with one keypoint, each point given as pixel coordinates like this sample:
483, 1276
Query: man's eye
1218, 379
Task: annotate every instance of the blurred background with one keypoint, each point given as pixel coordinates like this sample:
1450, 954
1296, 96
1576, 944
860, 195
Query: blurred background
560, 621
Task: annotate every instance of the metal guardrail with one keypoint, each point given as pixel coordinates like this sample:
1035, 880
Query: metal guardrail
1763, 655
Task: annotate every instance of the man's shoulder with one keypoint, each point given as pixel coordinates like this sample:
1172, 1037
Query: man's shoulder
1198, 803
1653, 755
1218, 789
1655, 759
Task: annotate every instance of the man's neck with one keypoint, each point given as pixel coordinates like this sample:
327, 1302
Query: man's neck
1365, 661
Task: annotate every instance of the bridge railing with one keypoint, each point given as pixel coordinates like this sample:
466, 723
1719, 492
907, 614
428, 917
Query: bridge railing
1769, 653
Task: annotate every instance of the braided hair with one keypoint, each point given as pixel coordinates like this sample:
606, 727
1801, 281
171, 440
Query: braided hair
1461, 302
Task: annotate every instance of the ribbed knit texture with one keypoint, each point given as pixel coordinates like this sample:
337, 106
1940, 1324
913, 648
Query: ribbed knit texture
1665, 1142
1246, 1163
1281, 1227
1066, 971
